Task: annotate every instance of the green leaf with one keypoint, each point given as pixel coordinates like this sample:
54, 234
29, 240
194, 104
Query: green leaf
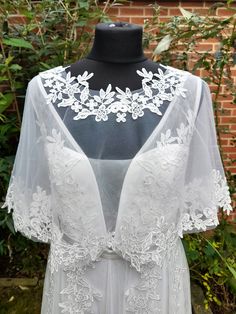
9, 60
232, 284
15, 67
83, 4
209, 250
17, 42
163, 45
81, 23
3, 78
186, 13
10, 226
233, 272
5, 102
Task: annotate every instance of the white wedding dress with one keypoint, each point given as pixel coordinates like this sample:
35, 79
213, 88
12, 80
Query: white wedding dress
115, 226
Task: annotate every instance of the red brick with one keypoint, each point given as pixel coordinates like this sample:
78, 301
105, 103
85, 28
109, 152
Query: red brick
131, 11
164, 19
203, 47
233, 72
163, 3
17, 19
225, 112
225, 12
224, 142
137, 20
228, 120
113, 10
228, 104
190, 4
232, 127
151, 11
122, 19
140, 3
212, 40
226, 135
175, 11
212, 87
203, 11
225, 97
229, 149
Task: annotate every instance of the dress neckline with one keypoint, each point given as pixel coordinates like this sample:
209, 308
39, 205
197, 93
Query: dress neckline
66, 90
157, 128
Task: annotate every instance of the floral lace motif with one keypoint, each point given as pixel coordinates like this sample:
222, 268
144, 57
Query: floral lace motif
32, 218
146, 251
143, 298
63, 91
198, 217
141, 247
145, 245
78, 293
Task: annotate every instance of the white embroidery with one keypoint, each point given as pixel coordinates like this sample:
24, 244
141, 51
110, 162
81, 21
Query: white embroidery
74, 92
184, 133
79, 295
141, 246
197, 216
33, 218
145, 240
143, 298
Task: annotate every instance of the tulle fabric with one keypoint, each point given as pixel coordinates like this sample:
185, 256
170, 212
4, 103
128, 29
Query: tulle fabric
175, 184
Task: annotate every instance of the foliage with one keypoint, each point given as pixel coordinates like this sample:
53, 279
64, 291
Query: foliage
212, 264
52, 33
22, 299
211, 255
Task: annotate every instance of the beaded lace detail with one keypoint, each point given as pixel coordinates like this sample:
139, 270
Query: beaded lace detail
74, 92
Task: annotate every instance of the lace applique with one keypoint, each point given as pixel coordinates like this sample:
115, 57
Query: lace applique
141, 246
184, 133
146, 253
196, 216
33, 218
143, 298
74, 92
79, 295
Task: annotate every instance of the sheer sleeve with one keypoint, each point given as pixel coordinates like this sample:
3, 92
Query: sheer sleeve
28, 192
205, 188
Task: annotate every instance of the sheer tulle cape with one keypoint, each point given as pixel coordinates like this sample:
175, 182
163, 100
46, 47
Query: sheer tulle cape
115, 226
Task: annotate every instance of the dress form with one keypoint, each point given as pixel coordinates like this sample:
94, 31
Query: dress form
115, 57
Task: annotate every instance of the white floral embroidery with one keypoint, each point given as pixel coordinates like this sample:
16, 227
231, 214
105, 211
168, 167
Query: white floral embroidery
32, 218
74, 92
146, 248
141, 246
145, 240
79, 295
197, 216
184, 133
143, 298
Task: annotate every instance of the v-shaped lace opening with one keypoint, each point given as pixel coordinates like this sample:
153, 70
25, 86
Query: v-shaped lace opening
79, 149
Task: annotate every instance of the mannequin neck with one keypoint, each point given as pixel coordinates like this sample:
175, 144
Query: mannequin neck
117, 42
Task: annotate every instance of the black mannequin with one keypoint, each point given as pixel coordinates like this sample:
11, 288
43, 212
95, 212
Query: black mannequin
114, 58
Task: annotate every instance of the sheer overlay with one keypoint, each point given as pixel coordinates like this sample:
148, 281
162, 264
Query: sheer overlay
115, 226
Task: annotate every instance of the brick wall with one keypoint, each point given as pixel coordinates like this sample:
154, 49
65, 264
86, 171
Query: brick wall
137, 11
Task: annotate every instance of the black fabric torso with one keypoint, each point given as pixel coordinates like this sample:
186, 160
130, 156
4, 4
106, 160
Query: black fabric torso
114, 58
